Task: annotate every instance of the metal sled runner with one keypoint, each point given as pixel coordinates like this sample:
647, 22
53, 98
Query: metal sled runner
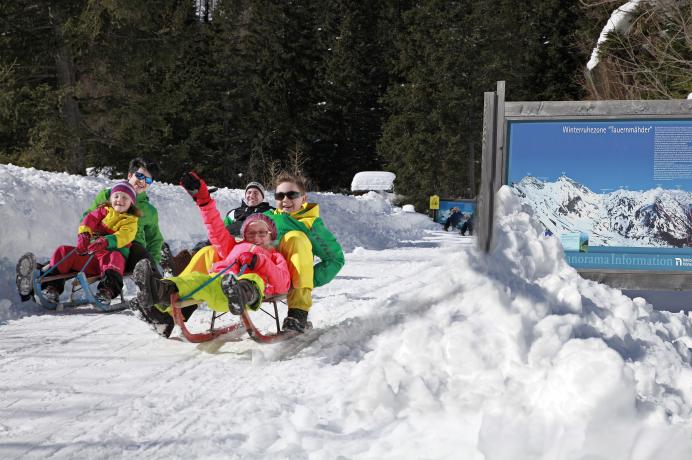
245, 322
80, 293
30, 279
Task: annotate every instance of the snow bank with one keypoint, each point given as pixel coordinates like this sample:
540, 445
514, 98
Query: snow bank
516, 356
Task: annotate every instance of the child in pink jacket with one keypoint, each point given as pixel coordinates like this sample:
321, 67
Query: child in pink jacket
265, 269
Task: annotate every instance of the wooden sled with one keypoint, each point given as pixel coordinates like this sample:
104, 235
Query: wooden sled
245, 322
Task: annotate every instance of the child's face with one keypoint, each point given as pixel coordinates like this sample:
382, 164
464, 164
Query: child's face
121, 201
258, 233
286, 203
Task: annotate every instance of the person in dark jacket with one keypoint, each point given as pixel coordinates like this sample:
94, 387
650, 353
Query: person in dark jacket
453, 219
202, 255
252, 204
467, 225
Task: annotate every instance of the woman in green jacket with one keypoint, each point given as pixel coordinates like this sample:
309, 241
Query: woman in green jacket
302, 235
148, 242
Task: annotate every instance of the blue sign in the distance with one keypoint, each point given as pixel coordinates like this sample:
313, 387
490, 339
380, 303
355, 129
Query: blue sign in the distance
466, 207
624, 186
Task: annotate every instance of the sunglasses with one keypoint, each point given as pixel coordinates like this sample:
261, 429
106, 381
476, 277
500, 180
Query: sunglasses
290, 195
146, 179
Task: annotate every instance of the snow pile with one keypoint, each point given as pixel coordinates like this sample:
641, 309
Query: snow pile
373, 180
516, 356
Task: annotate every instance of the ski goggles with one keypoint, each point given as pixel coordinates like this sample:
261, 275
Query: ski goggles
292, 195
146, 179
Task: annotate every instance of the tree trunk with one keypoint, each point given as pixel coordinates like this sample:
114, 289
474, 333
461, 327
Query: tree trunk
72, 117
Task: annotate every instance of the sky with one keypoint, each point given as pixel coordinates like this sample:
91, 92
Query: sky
603, 160
422, 348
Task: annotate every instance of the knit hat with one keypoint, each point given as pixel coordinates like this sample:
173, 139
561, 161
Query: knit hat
259, 217
125, 187
256, 185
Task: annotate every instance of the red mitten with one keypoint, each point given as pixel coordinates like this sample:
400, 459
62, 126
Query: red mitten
99, 245
83, 240
247, 258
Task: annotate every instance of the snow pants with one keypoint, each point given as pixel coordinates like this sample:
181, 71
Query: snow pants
212, 293
296, 247
202, 261
108, 264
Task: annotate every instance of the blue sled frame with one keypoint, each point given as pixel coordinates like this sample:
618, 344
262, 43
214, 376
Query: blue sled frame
79, 284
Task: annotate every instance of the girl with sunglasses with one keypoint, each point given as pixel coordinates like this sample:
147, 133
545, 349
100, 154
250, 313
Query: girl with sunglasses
148, 242
302, 235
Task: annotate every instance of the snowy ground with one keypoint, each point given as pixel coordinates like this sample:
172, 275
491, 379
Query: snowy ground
423, 348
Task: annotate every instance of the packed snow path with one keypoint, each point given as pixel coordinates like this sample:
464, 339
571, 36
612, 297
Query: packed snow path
83, 385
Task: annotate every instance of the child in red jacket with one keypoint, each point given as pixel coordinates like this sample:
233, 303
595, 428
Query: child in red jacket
265, 269
103, 241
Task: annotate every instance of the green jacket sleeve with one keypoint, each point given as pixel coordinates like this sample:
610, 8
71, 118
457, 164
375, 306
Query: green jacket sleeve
153, 235
103, 195
328, 249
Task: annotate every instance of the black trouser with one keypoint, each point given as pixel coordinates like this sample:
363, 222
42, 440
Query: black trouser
466, 226
137, 253
112, 281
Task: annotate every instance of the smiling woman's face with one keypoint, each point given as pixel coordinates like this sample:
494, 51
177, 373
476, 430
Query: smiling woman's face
283, 194
140, 185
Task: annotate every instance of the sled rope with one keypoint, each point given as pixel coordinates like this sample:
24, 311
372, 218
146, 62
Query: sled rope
211, 280
91, 256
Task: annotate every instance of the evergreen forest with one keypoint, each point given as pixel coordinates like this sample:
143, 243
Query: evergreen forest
239, 89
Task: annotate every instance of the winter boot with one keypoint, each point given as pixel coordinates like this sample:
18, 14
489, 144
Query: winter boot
166, 259
297, 320
104, 296
51, 294
25, 276
239, 293
153, 290
110, 287
161, 322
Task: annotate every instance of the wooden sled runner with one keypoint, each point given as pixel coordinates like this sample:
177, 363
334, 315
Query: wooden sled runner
246, 322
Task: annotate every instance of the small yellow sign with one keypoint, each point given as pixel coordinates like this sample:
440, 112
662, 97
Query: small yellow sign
434, 202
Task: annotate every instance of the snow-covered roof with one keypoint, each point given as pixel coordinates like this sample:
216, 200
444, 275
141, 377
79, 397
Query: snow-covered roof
373, 180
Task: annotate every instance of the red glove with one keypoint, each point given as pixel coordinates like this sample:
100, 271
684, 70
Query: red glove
247, 258
99, 245
196, 187
83, 240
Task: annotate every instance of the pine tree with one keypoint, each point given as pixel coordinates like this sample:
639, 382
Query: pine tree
450, 53
41, 120
354, 40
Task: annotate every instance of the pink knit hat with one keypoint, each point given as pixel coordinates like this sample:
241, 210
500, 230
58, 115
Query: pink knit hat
126, 188
258, 217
